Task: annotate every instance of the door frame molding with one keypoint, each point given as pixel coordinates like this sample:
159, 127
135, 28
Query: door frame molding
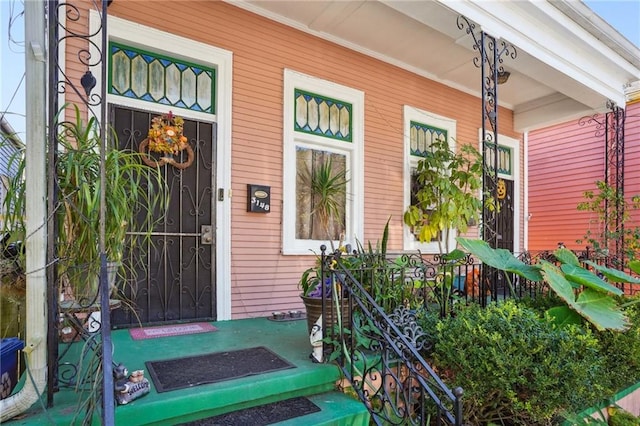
514, 144
138, 35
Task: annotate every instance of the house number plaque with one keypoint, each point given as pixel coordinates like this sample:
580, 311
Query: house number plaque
258, 198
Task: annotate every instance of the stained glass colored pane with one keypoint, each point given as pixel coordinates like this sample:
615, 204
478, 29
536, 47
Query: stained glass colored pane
505, 165
153, 77
204, 90
189, 87
121, 73
422, 136
323, 116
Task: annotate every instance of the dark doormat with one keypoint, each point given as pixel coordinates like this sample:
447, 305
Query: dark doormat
179, 373
262, 415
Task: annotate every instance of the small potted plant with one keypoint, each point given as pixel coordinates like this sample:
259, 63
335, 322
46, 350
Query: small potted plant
325, 184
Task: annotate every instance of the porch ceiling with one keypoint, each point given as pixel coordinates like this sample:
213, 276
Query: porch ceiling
569, 62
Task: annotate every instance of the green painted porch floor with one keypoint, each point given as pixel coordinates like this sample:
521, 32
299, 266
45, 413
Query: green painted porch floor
288, 339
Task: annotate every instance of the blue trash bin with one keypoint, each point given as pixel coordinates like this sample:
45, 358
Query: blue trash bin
458, 282
9, 348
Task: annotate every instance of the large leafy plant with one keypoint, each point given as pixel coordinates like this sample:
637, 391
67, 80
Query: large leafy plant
588, 291
447, 195
446, 198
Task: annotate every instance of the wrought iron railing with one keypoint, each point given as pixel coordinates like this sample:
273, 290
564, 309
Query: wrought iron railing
375, 335
378, 343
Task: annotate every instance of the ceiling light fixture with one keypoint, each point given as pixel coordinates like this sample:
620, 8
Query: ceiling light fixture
503, 76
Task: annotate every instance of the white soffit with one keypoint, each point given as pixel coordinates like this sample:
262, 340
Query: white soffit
569, 63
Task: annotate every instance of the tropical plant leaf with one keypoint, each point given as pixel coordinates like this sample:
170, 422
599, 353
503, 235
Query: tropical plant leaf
566, 256
601, 310
563, 315
500, 259
586, 278
613, 275
385, 238
598, 308
634, 265
455, 254
558, 283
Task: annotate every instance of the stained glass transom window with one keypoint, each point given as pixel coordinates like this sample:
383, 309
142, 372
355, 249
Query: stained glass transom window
152, 77
504, 158
422, 136
319, 115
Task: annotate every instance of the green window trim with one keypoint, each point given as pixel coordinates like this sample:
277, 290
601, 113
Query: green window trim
139, 74
420, 138
505, 158
322, 116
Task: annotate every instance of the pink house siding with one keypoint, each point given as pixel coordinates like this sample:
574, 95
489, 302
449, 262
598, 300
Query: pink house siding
564, 161
264, 280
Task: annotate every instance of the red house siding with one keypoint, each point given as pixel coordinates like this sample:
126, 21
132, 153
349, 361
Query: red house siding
564, 161
632, 157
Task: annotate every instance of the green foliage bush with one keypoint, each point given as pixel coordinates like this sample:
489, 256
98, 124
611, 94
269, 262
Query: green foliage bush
621, 351
515, 366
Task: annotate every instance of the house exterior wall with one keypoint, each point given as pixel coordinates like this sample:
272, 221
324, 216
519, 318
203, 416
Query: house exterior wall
632, 160
262, 279
564, 161
632, 155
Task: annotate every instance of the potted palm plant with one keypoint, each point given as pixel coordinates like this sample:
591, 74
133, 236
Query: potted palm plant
134, 193
323, 184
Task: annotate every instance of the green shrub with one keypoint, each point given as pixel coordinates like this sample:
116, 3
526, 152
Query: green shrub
621, 351
620, 417
516, 367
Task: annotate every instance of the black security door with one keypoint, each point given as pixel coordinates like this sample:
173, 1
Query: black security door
171, 277
505, 219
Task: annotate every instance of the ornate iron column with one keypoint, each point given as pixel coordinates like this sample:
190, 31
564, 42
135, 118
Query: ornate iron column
614, 174
491, 54
610, 127
69, 25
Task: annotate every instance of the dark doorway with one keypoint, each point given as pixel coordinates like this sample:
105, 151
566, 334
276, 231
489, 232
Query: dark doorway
504, 218
172, 277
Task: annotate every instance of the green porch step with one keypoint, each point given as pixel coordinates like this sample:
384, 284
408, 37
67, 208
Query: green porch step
288, 339
336, 409
317, 385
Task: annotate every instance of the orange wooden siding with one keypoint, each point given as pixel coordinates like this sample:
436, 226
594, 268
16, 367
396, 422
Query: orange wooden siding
263, 280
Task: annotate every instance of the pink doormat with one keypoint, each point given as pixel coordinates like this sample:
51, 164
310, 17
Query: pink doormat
170, 330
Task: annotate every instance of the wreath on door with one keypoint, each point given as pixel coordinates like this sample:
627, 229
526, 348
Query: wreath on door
166, 137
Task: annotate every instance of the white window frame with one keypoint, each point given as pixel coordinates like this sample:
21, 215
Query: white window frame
354, 213
410, 242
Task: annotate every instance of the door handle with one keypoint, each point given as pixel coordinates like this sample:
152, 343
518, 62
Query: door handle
206, 234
